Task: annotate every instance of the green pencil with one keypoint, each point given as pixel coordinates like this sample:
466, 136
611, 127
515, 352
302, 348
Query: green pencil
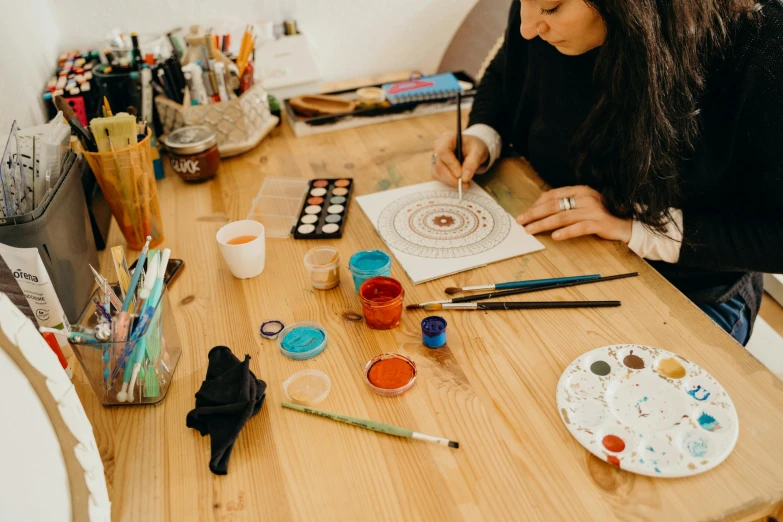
374, 426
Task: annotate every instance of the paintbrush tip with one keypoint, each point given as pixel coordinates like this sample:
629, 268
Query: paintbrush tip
413, 307
453, 290
453, 444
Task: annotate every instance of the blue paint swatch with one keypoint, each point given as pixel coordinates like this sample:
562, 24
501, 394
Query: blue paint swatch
708, 422
302, 339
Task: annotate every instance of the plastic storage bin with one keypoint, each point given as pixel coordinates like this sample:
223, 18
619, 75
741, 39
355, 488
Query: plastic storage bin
277, 205
61, 231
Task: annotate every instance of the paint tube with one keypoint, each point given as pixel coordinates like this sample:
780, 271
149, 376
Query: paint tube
28, 269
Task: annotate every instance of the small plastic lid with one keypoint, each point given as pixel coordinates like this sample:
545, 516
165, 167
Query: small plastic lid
307, 387
191, 140
271, 329
390, 392
304, 345
433, 325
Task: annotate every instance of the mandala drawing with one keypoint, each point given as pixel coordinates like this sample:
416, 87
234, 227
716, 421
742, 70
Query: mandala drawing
437, 225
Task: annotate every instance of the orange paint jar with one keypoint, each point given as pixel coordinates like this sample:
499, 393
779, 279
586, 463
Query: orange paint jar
381, 299
390, 374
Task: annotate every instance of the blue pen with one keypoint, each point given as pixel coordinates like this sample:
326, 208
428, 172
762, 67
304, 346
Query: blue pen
134, 282
523, 284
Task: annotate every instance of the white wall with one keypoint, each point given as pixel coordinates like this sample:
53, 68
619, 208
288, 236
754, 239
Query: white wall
29, 46
351, 38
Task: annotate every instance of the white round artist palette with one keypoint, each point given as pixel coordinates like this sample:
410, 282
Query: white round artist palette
647, 410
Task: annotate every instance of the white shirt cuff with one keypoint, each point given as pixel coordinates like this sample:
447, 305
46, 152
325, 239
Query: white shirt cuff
657, 246
491, 138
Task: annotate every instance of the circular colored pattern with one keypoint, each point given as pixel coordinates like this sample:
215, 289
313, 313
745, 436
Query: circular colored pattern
330, 228
335, 209
334, 218
340, 191
390, 374
437, 225
315, 201
313, 209
601, 368
338, 200
320, 183
342, 183
309, 218
318, 192
305, 229
653, 413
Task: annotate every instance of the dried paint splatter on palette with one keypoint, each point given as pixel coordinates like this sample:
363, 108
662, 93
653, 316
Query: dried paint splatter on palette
647, 410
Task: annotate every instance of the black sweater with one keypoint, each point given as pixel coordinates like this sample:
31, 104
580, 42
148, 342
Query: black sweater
537, 98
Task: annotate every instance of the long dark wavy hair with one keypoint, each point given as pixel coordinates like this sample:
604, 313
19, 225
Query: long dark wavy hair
651, 68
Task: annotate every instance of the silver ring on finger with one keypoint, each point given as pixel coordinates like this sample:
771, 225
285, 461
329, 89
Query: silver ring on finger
572, 201
565, 204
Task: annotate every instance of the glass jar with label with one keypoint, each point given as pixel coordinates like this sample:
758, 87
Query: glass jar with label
193, 152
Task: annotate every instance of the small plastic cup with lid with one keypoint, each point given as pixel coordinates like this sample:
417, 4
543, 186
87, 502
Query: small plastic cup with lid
390, 374
369, 263
302, 340
323, 267
382, 299
307, 387
433, 331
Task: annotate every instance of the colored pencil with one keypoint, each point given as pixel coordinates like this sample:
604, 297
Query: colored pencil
374, 426
521, 305
136, 276
517, 291
520, 284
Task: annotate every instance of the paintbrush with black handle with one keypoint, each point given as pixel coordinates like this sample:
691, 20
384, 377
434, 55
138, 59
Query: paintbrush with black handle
522, 305
517, 291
84, 135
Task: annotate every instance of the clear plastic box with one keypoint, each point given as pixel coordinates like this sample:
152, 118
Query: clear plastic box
277, 205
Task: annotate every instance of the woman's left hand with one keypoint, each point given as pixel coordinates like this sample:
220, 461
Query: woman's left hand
589, 217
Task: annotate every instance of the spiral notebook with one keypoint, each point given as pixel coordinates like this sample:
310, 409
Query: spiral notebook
425, 88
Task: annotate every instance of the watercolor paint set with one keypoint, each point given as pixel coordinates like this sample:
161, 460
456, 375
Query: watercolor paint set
324, 209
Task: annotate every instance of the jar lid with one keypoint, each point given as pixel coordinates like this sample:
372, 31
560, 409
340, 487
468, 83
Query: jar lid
307, 387
191, 140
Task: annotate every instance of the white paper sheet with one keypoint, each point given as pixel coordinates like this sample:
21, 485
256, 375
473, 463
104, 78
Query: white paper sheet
432, 234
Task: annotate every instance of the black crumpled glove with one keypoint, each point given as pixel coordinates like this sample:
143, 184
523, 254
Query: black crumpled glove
228, 398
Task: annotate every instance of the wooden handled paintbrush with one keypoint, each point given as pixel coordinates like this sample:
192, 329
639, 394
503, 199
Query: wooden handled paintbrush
374, 426
517, 291
522, 305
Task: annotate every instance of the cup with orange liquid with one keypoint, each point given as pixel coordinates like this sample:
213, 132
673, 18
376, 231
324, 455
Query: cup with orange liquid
243, 246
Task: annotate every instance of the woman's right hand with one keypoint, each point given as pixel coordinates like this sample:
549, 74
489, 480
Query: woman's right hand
446, 167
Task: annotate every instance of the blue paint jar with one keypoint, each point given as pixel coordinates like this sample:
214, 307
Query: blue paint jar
433, 331
303, 340
369, 263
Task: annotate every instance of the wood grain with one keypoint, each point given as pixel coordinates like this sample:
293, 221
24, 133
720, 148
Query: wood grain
492, 388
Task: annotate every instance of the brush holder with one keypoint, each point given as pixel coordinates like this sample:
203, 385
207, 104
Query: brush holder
161, 351
127, 179
239, 123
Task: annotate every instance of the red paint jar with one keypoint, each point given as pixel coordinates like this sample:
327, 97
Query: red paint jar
193, 152
381, 299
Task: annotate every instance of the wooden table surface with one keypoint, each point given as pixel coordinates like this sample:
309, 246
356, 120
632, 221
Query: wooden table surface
492, 388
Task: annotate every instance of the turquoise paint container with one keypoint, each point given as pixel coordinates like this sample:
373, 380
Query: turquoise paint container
369, 263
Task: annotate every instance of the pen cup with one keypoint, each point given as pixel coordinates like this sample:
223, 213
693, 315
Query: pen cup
127, 179
155, 348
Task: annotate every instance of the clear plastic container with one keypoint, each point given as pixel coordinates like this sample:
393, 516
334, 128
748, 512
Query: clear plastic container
307, 353
323, 267
162, 348
277, 205
307, 387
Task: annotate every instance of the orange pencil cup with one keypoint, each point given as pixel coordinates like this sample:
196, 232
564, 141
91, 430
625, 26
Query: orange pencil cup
127, 180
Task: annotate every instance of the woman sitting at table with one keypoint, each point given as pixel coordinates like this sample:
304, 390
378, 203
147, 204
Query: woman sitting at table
659, 123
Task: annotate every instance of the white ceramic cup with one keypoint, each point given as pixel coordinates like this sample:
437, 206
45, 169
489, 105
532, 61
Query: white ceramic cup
245, 260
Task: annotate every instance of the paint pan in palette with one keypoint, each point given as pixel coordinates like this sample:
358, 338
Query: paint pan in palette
324, 210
